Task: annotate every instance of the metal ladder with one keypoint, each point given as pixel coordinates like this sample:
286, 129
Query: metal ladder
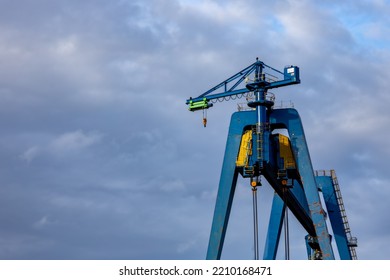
259, 140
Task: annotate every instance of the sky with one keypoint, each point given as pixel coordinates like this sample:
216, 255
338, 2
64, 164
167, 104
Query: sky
101, 159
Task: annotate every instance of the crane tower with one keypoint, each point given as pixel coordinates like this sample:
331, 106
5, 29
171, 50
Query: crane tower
255, 150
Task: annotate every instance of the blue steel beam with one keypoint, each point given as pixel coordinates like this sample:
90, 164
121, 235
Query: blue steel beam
274, 228
309, 250
295, 199
227, 183
241, 75
326, 185
290, 119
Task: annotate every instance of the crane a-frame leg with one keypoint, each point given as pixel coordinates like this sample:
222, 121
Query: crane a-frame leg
274, 228
227, 184
302, 199
290, 119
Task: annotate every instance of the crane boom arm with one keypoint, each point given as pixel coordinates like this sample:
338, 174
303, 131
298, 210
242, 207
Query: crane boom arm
261, 79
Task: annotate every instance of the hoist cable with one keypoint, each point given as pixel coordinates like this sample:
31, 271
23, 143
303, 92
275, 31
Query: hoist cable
255, 224
232, 97
286, 229
286, 235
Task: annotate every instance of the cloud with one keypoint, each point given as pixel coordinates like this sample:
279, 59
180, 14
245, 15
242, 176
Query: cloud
42, 222
74, 141
30, 154
173, 186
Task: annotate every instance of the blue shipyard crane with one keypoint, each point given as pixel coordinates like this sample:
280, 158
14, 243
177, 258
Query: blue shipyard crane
254, 151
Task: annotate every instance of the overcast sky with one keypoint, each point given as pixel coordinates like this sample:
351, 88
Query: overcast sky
100, 158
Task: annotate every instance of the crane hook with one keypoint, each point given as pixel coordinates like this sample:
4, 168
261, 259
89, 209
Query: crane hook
204, 118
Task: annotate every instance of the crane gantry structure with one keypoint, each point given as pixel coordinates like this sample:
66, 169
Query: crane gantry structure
255, 149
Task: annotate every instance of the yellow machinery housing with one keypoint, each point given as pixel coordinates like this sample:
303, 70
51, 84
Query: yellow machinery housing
245, 149
286, 154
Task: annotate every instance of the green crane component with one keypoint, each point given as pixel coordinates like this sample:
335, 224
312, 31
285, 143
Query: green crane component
199, 105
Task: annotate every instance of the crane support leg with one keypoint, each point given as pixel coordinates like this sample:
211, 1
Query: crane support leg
290, 119
227, 184
274, 228
337, 216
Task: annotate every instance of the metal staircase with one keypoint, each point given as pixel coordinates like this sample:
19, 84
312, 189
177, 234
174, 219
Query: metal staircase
352, 241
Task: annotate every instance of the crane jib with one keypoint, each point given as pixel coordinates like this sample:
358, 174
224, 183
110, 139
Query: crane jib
261, 79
